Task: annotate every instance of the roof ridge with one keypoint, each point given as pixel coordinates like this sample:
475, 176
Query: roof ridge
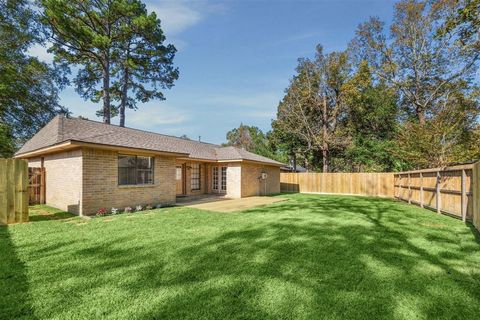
60, 129
145, 131
63, 128
224, 147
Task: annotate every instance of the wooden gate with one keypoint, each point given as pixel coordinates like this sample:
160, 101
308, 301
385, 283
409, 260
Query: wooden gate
36, 186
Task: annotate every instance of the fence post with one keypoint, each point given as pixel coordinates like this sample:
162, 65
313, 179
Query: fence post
18, 189
10, 191
400, 185
3, 192
409, 190
421, 189
464, 196
475, 195
438, 192
43, 188
25, 214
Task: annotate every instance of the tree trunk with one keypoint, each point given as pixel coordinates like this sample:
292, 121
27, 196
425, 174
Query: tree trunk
123, 103
294, 162
106, 92
325, 160
325, 136
421, 117
420, 113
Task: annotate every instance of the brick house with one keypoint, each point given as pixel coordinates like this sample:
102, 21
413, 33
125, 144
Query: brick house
90, 165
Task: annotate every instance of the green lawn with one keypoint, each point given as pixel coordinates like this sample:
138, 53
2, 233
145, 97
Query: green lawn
311, 257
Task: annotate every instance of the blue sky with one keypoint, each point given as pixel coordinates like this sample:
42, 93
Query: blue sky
235, 60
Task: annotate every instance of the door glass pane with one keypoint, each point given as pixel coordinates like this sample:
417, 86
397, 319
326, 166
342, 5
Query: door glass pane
215, 178
224, 178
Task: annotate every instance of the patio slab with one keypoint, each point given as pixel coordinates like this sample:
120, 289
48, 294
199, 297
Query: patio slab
230, 205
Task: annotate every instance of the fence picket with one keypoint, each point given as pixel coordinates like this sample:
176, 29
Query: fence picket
371, 184
24, 210
13, 191
18, 187
10, 191
3, 192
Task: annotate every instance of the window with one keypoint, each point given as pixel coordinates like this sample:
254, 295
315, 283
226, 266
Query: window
195, 181
135, 170
179, 173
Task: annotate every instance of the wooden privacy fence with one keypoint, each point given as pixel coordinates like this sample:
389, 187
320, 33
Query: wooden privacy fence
13, 191
476, 195
368, 184
447, 190
452, 190
36, 187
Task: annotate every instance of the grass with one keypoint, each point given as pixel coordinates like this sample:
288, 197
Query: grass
322, 257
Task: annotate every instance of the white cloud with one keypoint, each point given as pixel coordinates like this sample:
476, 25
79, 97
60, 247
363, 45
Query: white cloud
154, 115
176, 16
260, 101
41, 53
179, 15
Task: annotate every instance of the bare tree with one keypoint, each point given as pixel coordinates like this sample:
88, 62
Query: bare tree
423, 67
312, 106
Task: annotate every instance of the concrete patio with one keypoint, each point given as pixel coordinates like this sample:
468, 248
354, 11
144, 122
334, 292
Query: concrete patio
221, 204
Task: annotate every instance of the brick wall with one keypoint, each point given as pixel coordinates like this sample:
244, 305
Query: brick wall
252, 186
82, 181
63, 179
34, 162
101, 189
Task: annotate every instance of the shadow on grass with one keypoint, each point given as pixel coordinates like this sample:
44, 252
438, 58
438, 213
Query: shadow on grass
15, 302
296, 269
475, 232
312, 257
46, 213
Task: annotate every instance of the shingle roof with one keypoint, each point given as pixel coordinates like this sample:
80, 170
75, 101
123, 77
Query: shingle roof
62, 129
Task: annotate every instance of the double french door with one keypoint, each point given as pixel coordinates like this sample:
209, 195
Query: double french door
219, 179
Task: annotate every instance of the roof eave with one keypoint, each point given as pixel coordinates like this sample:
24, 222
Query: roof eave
65, 145
232, 160
275, 164
71, 144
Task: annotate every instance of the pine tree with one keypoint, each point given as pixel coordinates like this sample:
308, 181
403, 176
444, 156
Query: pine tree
118, 48
144, 64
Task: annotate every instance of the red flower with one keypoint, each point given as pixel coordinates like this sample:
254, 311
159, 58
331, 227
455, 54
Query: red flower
102, 211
